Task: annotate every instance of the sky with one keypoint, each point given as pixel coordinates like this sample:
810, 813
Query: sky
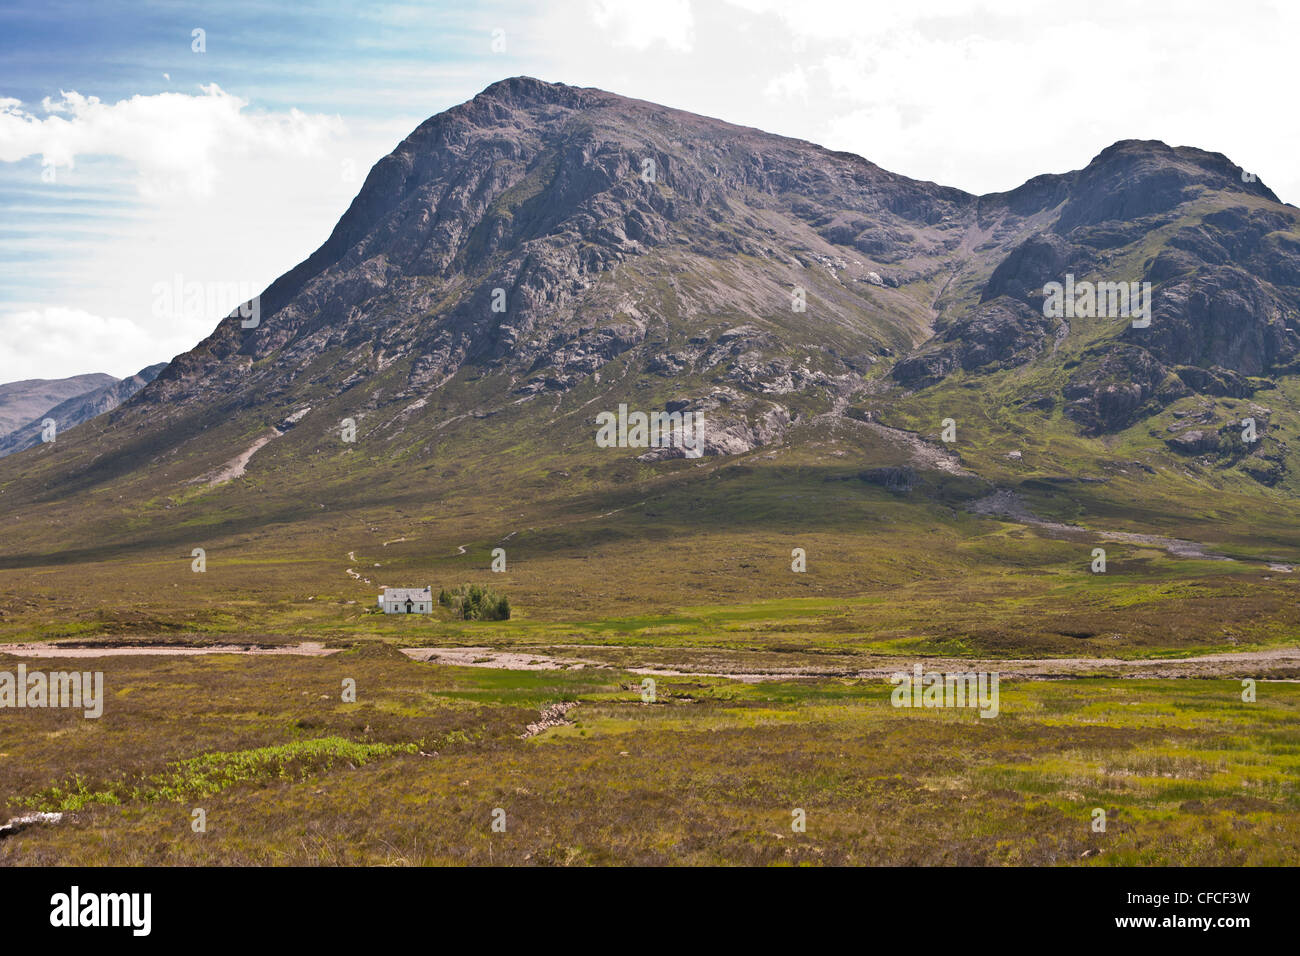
160, 162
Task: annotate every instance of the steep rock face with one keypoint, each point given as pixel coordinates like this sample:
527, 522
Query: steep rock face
1115, 386
997, 334
1225, 288
1221, 316
1040, 259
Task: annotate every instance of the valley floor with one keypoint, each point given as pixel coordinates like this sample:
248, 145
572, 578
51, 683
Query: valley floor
1126, 729
711, 771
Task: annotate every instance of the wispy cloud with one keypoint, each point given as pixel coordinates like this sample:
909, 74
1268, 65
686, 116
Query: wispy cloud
641, 25
173, 140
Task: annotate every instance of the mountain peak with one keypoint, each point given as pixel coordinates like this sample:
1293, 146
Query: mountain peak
1198, 165
531, 89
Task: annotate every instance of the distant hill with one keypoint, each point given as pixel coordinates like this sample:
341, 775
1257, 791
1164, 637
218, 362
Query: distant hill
69, 401
20, 402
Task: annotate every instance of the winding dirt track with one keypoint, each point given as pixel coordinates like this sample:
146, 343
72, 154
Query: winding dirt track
1006, 504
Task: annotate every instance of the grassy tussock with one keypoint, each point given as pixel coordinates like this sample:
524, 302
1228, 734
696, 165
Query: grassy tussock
211, 773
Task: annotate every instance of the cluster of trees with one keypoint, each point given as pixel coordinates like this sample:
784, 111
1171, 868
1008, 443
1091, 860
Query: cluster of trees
474, 602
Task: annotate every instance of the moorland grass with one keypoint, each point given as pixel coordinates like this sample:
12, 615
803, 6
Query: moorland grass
709, 773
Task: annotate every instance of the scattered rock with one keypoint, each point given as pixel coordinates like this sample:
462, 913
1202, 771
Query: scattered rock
553, 716
18, 823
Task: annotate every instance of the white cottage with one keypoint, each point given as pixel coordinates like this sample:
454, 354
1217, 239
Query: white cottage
406, 600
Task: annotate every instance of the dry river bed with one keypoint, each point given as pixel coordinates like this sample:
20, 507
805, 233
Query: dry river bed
1284, 662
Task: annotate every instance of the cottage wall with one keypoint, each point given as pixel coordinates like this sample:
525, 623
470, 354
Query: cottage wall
394, 600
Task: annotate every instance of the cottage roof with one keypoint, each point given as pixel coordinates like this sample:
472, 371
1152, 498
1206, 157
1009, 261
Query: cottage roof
408, 594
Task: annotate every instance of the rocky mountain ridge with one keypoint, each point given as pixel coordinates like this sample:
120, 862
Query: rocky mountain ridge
545, 245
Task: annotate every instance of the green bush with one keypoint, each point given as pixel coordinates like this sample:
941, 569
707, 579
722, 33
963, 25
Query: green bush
474, 602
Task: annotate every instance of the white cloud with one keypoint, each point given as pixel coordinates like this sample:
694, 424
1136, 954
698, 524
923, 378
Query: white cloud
967, 93
175, 141
793, 83
640, 24
57, 342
